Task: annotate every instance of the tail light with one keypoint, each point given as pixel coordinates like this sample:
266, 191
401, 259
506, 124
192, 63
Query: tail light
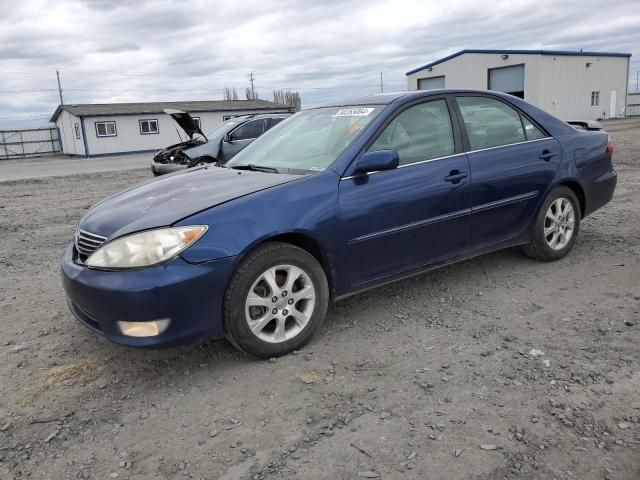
609, 146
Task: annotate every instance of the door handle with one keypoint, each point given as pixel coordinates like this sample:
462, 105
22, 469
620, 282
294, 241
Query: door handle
455, 176
546, 155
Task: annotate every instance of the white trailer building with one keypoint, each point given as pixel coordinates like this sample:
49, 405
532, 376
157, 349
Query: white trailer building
569, 85
93, 130
633, 105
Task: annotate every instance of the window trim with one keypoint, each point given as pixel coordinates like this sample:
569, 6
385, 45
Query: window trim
149, 120
115, 128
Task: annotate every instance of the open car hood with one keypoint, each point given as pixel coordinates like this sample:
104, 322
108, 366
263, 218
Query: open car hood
185, 121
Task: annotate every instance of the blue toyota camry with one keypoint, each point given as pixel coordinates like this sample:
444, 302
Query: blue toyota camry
332, 201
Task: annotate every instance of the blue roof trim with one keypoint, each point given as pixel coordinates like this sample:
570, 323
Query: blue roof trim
567, 53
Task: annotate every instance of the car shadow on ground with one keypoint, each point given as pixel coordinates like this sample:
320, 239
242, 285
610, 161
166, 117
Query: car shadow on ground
219, 357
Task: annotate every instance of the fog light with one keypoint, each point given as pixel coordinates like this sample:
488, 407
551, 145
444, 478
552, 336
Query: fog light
144, 329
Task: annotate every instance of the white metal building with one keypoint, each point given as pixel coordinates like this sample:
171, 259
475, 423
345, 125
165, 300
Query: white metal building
569, 85
633, 105
93, 130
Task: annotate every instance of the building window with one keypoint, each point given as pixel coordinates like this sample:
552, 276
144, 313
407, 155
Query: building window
148, 127
595, 98
197, 120
106, 129
77, 129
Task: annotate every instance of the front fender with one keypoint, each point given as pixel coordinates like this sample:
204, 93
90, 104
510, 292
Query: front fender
308, 207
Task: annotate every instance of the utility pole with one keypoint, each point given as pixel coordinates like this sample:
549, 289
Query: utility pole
637, 74
59, 87
251, 79
381, 84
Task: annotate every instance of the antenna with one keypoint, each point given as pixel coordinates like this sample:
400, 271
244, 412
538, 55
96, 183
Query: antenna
381, 84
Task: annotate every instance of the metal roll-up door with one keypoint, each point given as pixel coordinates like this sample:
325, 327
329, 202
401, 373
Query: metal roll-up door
431, 83
508, 80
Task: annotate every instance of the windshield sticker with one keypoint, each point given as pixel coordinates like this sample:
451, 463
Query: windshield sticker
354, 112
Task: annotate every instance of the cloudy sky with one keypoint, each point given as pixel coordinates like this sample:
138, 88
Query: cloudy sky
144, 50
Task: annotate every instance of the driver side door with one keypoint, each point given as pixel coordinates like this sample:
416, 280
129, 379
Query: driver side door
401, 220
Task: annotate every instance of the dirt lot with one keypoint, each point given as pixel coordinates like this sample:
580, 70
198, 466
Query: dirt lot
429, 378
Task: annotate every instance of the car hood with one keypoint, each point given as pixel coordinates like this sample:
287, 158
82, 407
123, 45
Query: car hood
185, 121
169, 199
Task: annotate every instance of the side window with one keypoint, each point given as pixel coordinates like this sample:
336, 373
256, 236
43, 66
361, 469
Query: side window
249, 130
490, 122
531, 131
273, 122
77, 129
420, 132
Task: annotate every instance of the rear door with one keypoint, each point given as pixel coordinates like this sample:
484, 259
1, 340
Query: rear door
402, 219
512, 162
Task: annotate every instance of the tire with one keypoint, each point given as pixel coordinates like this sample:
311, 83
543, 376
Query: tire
542, 247
251, 325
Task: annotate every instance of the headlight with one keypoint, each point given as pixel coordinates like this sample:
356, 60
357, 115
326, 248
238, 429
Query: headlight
146, 248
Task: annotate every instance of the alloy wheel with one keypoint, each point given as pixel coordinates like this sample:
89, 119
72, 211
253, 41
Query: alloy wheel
280, 303
559, 223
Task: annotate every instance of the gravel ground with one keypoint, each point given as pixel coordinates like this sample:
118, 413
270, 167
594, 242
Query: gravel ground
440, 376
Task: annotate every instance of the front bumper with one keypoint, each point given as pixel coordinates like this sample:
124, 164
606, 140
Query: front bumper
191, 295
162, 168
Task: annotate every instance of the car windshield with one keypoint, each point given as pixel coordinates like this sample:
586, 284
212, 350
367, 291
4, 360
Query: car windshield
222, 128
308, 141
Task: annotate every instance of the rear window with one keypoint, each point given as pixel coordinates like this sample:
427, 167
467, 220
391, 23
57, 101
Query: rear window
531, 131
490, 122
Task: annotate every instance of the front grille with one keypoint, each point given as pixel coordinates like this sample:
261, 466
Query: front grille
87, 243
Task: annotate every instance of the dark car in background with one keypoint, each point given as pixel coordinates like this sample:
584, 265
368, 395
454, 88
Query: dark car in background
218, 145
335, 200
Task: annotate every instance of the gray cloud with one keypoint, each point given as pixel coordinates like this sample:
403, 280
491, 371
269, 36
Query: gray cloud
118, 50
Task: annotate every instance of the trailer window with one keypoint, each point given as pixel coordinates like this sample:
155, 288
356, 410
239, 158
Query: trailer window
106, 129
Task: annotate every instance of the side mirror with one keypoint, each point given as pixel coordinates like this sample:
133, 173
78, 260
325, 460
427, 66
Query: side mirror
228, 137
375, 161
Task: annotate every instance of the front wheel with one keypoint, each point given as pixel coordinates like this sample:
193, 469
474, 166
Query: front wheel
556, 227
276, 300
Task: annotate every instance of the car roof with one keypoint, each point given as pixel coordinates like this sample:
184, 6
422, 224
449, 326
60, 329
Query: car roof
251, 116
387, 98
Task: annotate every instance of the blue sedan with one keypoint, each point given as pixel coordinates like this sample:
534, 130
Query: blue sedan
332, 201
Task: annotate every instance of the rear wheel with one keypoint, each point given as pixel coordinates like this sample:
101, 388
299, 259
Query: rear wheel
276, 300
556, 227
